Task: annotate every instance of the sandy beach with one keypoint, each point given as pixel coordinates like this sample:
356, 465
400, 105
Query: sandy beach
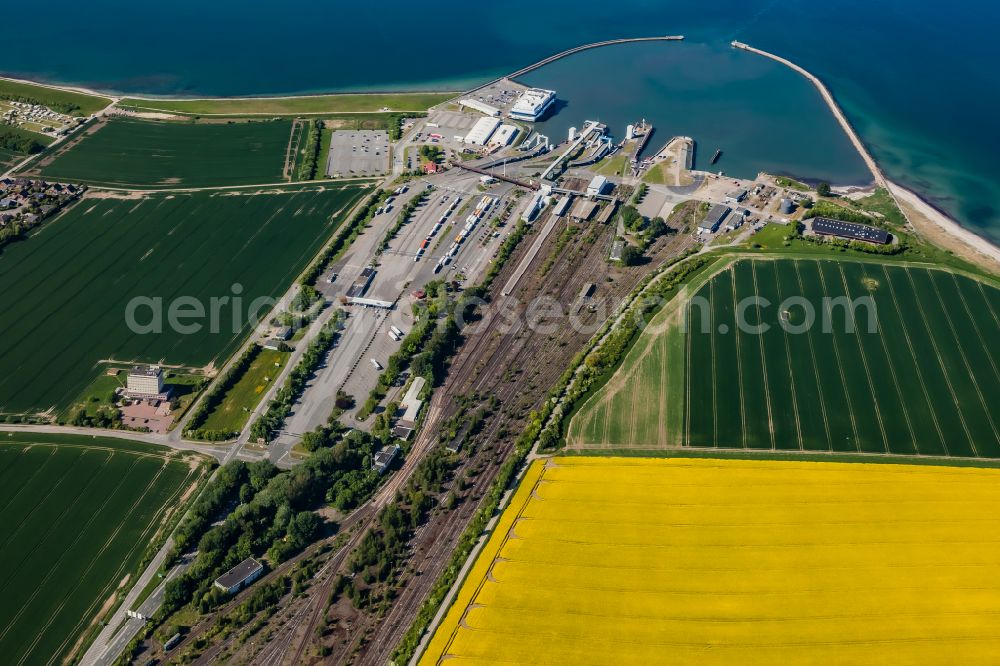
943, 231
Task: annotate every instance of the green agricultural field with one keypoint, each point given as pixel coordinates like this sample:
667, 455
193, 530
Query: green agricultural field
234, 409
143, 153
64, 292
311, 104
64, 101
79, 514
924, 381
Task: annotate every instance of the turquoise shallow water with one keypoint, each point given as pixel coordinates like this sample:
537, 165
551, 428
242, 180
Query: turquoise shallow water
917, 77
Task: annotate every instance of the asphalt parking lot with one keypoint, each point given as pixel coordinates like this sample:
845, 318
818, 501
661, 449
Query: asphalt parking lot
358, 153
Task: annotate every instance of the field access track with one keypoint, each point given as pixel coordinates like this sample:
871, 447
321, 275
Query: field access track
924, 381
701, 561
64, 292
78, 514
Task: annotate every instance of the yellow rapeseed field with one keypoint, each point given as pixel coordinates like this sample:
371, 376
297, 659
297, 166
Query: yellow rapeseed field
628, 561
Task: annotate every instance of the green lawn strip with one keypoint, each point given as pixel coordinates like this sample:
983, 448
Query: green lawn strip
232, 412
310, 104
63, 101
612, 166
741, 454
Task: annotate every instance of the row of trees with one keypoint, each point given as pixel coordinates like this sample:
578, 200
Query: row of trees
403, 217
214, 398
64, 107
16, 142
311, 157
379, 556
425, 350
267, 512
347, 235
281, 405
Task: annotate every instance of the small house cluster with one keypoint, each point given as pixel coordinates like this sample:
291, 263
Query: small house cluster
27, 202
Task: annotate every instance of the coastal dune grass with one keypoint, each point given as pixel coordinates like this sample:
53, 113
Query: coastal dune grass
78, 515
642, 560
923, 381
65, 292
306, 104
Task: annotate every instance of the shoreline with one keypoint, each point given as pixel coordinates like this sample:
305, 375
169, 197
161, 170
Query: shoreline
925, 218
932, 222
119, 95
938, 227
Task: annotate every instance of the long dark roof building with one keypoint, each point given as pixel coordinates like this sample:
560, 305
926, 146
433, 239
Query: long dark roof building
826, 226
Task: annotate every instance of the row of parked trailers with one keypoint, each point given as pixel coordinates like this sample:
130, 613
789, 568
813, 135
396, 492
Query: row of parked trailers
474, 218
424, 244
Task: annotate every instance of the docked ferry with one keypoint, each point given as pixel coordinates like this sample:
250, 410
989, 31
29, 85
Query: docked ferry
532, 104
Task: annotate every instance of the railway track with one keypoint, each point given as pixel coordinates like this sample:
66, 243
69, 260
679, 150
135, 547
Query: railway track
505, 353
479, 366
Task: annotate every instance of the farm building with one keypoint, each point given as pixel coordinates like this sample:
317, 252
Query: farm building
240, 576
716, 215
482, 131
825, 226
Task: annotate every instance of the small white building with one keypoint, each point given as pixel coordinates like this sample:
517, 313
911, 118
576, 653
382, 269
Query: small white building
599, 185
482, 131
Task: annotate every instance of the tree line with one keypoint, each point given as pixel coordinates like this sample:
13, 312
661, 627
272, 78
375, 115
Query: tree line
280, 406
16, 142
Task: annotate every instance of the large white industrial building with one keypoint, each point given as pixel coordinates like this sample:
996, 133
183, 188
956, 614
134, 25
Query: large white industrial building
482, 131
504, 135
481, 107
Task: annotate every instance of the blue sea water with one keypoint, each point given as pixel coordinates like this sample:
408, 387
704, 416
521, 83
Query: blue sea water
918, 78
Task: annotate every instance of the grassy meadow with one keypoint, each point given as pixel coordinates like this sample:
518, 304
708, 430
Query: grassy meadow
704, 561
145, 153
64, 292
64, 101
233, 410
302, 105
79, 514
923, 381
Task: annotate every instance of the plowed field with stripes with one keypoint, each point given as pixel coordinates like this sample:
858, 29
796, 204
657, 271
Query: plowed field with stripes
813, 355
